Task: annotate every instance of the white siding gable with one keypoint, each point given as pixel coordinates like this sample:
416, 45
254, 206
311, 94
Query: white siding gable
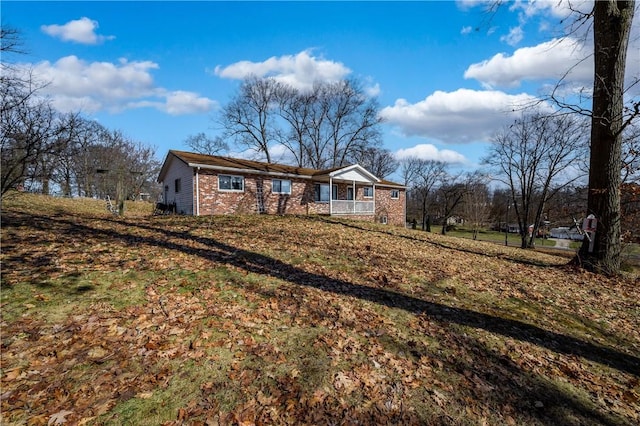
184, 198
352, 174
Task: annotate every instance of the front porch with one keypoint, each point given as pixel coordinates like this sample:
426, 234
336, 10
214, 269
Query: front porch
349, 191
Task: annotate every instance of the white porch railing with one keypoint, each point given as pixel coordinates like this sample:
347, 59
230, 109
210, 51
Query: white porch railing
352, 207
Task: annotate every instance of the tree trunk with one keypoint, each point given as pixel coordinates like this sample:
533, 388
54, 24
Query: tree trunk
612, 24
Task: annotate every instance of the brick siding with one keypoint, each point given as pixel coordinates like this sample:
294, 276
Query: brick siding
392, 208
300, 201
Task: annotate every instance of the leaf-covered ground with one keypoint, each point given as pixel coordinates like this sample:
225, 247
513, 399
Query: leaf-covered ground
300, 320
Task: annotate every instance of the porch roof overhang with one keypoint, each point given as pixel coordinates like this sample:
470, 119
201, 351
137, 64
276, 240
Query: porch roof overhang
353, 173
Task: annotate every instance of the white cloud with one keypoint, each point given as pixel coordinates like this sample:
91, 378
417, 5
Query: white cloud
300, 71
181, 102
105, 82
548, 60
462, 116
556, 8
430, 152
469, 4
373, 90
82, 31
514, 37
466, 30
74, 84
177, 103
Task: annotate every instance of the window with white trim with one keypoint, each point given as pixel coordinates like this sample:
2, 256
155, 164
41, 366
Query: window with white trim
177, 185
395, 194
281, 186
367, 192
349, 193
321, 192
230, 183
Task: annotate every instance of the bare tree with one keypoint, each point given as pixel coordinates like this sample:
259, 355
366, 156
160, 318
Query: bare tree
42, 148
250, 117
612, 21
47, 168
449, 196
567, 203
330, 125
630, 205
324, 127
28, 123
631, 154
476, 202
29, 133
125, 167
378, 161
533, 157
81, 157
351, 121
204, 144
10, 40
296, 108
421, 176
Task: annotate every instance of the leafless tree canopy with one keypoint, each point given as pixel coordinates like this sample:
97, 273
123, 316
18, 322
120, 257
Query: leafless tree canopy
328, 126
631, 154
534, 157
204, 144
378, 161
422, 177
46, 151
477, 203
249, 118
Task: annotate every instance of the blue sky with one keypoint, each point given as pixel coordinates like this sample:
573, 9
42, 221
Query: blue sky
447, 75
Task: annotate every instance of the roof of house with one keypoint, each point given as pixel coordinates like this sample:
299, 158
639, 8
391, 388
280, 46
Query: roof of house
227, 163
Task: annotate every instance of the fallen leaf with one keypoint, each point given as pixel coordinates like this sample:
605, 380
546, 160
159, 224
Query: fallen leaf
59, 418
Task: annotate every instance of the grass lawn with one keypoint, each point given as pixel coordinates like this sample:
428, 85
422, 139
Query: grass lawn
630, 252
498, 237
240, 320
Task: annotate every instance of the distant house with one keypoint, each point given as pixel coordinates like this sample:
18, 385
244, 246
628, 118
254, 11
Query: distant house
566, 233
197, 184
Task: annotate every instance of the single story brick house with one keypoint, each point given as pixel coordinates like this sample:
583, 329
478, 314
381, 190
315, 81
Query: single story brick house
197, 184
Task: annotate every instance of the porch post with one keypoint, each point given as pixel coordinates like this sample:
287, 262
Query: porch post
375, 196
353, 202
330, 196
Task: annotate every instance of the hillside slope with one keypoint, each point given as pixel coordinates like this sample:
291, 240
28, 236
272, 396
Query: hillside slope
300, 320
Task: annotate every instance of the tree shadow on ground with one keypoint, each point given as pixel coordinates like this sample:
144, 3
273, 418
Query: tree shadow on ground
256, 263
504, 256
486, 374
494, 369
